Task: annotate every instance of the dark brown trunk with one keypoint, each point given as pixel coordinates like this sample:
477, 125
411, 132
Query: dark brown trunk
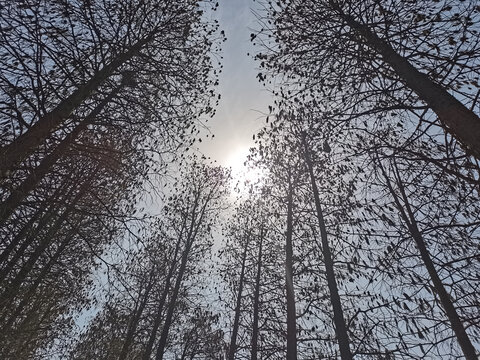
455, 117
23, 146
338, 317
291, 313
447, 304
158, 318
256, 299
20, 235
36, 175
172, 304
236, 321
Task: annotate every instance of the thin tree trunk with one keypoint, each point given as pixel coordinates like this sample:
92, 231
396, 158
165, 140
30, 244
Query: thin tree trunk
172, 304
23, 232
236, 322
23, 146
44, 220
291, 313
256, 299
36, 175
28, 296
338, 317
132, 327
456, 118
161, 304
411, 222
185, 349
158, 318
13, 288
192, 234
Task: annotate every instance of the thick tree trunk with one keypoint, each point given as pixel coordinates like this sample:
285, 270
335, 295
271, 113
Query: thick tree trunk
291, 313
447, 304
338, 317
23, 146
456, 118
236, 322
36, 175
256, 298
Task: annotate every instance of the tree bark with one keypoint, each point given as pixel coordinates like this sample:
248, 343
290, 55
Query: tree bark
338, 317
31, 291
161, 304
291, 313
27, 227
455, 117
172, 304
447, 304
236, 322
43, 222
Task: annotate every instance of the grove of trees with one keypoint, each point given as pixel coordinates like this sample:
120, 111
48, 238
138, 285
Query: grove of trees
359, 238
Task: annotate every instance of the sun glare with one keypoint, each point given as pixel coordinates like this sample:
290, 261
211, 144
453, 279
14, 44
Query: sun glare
243, 175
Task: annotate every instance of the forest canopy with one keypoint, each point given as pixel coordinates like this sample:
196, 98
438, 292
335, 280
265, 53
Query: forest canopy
353, 232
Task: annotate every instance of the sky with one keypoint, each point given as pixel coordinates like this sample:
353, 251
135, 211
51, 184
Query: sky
243, 98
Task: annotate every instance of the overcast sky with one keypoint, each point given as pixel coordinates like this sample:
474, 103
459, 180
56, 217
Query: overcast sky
243, 99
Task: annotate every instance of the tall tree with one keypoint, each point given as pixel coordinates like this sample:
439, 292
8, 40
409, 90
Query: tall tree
339, 320
375, 56
398, 192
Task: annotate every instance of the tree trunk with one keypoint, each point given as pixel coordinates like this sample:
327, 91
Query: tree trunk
256, 299
31, 291
23, 146
36, 175
236, 322
26, 228
13, 288
44, 221
291, 313
161, 304
338, 317
192, 234
410, 220
156, 325
172, 304
455, 117
132, 326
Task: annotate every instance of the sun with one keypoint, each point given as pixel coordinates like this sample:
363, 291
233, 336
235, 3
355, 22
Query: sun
243, 175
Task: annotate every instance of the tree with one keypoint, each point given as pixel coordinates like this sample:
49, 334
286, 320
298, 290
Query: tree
398, 192
90, 110
340, 325
159, 289
136, 47
369, 57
